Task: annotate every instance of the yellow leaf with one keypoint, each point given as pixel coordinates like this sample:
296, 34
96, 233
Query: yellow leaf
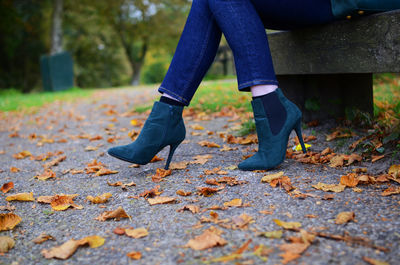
299, 148
272, 234
271, 177
99, 199
287, 225
160, 200
329, 187
116, 214
233, 203
26, 197
394, 170
93, 241
48, 173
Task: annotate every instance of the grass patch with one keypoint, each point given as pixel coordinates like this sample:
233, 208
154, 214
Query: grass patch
387, 97
13, 100
213, 95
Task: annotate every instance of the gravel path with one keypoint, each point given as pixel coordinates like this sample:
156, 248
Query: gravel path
76, 126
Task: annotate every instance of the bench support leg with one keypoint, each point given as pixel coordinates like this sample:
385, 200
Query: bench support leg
330, 95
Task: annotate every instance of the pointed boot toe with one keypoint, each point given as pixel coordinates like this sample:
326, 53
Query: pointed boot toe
163, 127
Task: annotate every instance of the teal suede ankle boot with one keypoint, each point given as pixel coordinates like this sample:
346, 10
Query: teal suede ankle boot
163, 127
272, 148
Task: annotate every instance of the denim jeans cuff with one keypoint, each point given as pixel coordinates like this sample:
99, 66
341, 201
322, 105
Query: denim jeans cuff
246, 86
163, 90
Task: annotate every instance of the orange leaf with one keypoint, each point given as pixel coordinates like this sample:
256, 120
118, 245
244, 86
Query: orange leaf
349, 180
63, 202
99, 199
48, 173
208, 144
207, 191
8, 221
233, 203
183, 193
191, 207
7, 187
136, 255
14, 169
22, 155
116, 214
160, 174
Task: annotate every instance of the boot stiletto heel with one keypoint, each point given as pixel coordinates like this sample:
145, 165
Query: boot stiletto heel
272, 148
171, 153
163, 127
297, 128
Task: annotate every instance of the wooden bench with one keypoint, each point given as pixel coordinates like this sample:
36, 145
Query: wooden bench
327, 70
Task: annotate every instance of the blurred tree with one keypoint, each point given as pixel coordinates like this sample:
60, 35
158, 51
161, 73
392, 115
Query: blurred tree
23, 33
56, 27
140, 24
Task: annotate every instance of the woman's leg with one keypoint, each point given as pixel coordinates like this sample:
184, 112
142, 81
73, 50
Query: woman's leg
194, 54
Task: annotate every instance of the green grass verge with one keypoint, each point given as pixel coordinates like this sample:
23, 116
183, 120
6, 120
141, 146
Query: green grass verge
213, 95
13, 100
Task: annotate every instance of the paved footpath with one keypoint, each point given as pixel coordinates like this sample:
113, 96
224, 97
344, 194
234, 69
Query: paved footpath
222, 227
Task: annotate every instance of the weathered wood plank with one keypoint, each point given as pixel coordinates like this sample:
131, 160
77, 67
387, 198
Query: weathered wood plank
366, 45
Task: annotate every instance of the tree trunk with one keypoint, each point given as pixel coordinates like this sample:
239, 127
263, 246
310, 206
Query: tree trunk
137, 69
56, 28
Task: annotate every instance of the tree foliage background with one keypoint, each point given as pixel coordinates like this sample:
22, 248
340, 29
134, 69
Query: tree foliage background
113, 43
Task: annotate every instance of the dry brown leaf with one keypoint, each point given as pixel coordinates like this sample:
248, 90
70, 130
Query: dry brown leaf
201, 159
63, 202
191, 207
206, 240
292, 251
135, 255
183, 193
394, 170
208, 144
391, 191
116, 215
337, 161
42, 238
105, 171
207, 191
349, 180
376, 158
151, 193
353, 158
67, 249
233, 203
197, 127
161, 200
99, 199
48, 199
271, 177
242, 221
55, 161
156, 159
6, 243
136, 233
25, 197
122, 185
374, 261
231, 181
178, 165
339, 133
344, 217
211, 182
226, 148
160, 174
119, 231
329, 187
14, 169
22, 154
7, 187
48, 173
8, 221
287, 225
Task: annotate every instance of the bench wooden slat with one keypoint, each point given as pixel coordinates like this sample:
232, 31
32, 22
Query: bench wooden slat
366, 45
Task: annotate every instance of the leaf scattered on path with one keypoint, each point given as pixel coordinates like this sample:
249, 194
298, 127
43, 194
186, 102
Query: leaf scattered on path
63, 202
135, 255
329, 187
6, 243
161, 200
208, 239
23, 197
190, 207
42, 238
47, 174
7, 187
116, 215
287, 225
100, 198
160, 174
8, 221
136, 233
344, 217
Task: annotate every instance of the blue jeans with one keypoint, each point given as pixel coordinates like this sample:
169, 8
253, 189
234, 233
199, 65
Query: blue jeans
243, 23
